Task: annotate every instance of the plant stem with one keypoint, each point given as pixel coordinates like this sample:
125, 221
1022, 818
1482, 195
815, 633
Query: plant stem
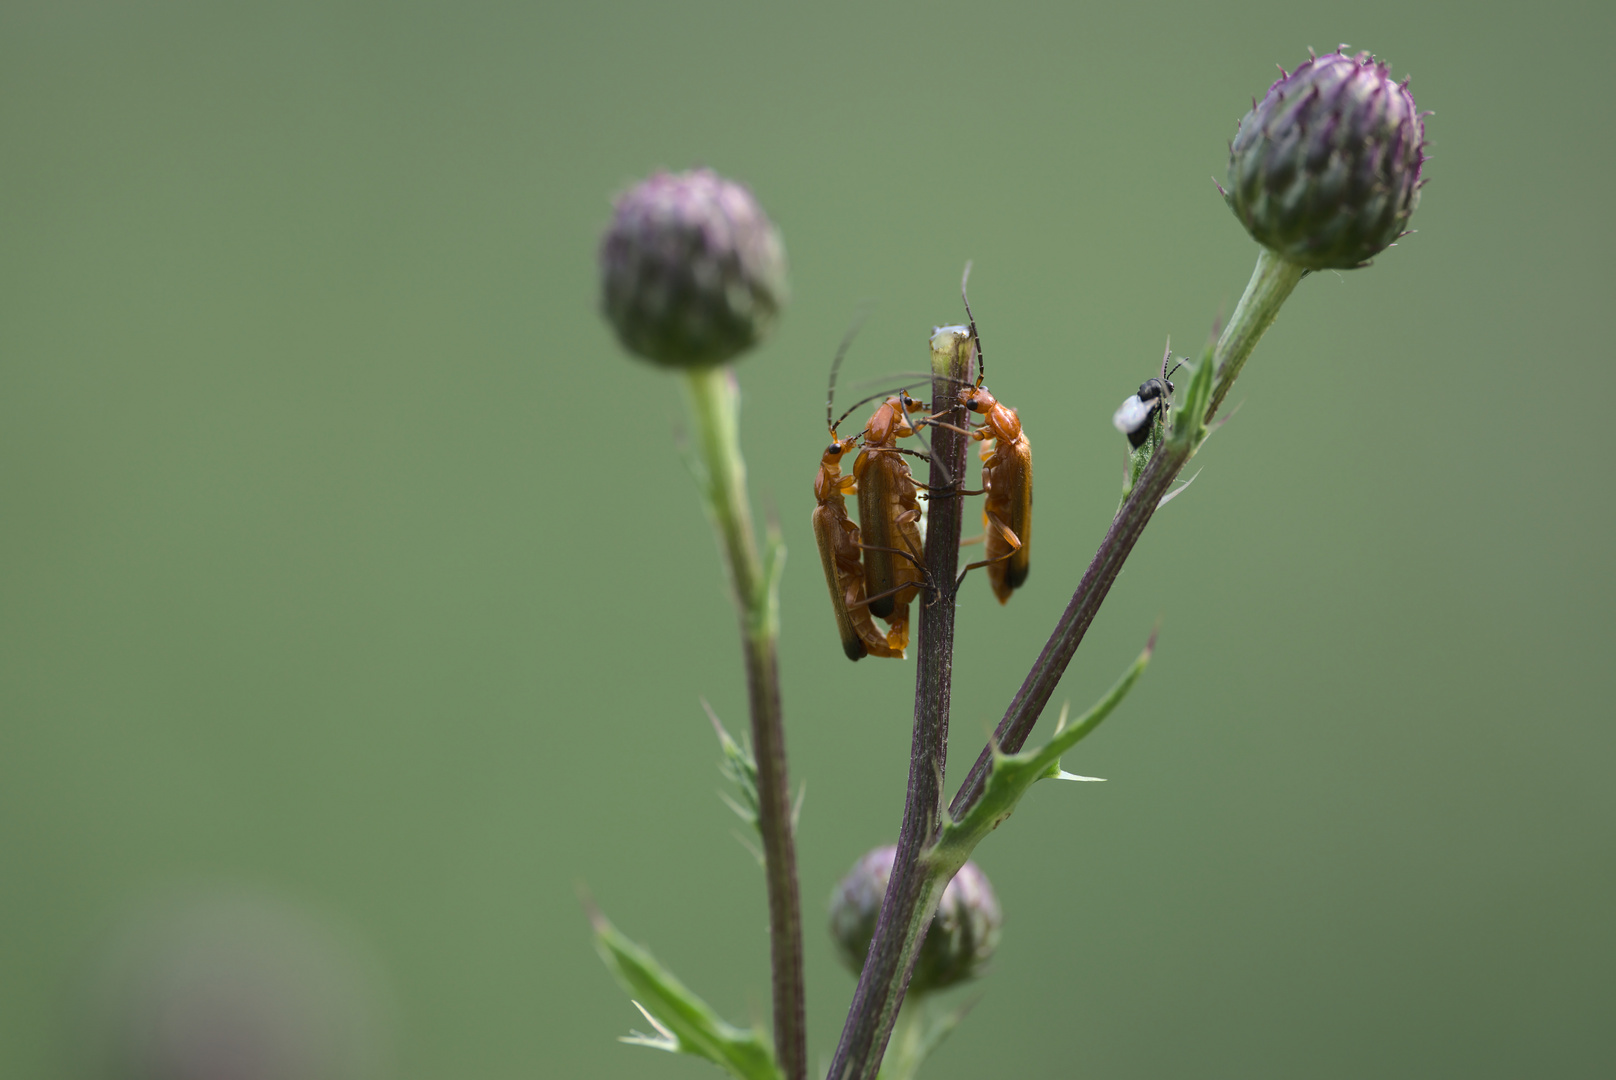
1011, 734
913, 891
715, 403
1271, 282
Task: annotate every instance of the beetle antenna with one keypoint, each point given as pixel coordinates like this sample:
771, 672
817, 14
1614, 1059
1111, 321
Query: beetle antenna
933, 459
1167, 376
933, 421
930, 456
900, 450
981, 371
920, 377
836, 365
870, 398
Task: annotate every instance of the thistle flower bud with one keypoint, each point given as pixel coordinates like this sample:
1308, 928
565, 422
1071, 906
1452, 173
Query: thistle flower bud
692, 271
1325, 169
960, 941
225, 986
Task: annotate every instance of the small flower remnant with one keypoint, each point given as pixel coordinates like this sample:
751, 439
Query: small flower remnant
693, 273
1325, 169
963, 934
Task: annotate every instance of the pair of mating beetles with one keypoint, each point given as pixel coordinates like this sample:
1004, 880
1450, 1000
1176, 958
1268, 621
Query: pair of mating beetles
879, 578
876, 573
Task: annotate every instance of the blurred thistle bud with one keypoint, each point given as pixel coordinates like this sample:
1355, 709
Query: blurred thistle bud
961, 939
692, 270
1325, 169
230, 986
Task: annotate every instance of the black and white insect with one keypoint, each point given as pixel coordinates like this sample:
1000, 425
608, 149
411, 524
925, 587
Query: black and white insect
1135, 416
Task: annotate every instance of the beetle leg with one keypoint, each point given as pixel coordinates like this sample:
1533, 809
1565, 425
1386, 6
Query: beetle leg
932, 421
1004, 531
894, 551
948, 491
890, 592
978, 566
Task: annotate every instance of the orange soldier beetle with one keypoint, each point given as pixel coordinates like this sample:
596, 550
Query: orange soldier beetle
1006, 478
889, 511
840, 551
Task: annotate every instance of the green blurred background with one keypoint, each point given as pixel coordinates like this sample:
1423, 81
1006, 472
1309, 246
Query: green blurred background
346, 562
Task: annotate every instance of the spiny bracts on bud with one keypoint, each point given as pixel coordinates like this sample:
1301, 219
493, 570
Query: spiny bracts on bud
1325, 169
960, 941
692, 271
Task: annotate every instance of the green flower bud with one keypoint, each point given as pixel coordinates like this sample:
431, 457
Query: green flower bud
960, 941
1325, 169
692, 271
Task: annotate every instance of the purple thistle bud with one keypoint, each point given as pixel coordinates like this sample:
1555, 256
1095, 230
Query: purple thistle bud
1325, 170
960, 941
692, 270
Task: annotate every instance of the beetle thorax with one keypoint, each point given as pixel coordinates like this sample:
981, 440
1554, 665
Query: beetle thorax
828, 480
1000, 419
887, 424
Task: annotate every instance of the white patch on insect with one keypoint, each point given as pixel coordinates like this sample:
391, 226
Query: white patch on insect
1131, 415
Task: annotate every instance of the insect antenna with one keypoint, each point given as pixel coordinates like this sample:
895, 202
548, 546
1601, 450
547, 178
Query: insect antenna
981, 371
899, 450
1167, 379
836, 366
1166, 356
936, 461
933, 421
866, 400
922, 378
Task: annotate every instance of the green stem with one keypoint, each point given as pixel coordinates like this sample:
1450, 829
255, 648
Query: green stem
906, 1049
715, 404
1271, 283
